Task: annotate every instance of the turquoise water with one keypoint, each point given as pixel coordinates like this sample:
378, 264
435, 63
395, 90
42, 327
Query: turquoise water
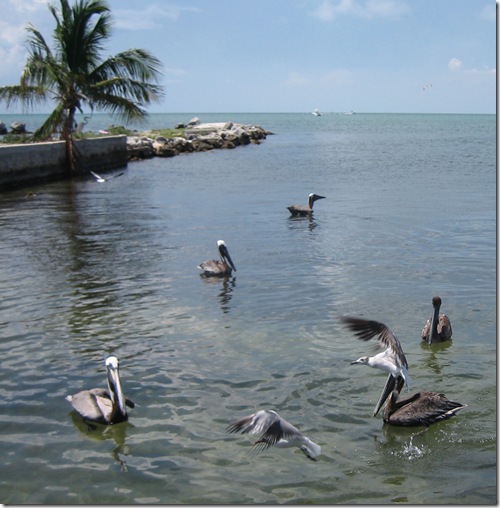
90, 269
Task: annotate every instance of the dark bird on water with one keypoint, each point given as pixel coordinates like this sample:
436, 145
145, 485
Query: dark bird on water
218, 267
275, 432
303, 211
438, 326
422, 408
101, 405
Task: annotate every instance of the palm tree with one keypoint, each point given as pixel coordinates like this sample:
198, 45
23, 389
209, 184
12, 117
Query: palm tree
73, 74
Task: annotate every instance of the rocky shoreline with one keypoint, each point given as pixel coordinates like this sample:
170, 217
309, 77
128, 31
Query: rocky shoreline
196, 137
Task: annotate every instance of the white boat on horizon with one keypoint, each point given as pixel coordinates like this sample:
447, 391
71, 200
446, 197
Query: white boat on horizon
316, 112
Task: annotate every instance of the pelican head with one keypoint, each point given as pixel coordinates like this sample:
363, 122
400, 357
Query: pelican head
114, 385
224, 253
436, 302
314, 197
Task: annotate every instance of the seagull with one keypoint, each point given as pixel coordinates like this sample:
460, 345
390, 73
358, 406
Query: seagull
216, 267
100, 179
391, 360
305, 210
101, 405
275, 432
422, 408
438, 327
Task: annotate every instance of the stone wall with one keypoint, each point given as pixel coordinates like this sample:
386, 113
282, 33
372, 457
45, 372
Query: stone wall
26, 164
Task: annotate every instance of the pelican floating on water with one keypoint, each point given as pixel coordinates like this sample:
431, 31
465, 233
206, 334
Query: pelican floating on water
438, 327
422, 408
218, 267
275, 432
305, 210
391, 360
101, 405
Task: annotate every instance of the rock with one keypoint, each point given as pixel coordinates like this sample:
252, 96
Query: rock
18, 128
197, 138
3, 128
194, 121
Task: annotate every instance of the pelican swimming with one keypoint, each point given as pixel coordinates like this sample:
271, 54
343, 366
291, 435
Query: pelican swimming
101, 405
391, 360
422, 408
275, 432
438, 327
216, 267
100, 179
305, 210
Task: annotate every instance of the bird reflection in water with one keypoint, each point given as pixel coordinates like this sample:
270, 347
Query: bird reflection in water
225, 294
298, 221
100, 432
432, 357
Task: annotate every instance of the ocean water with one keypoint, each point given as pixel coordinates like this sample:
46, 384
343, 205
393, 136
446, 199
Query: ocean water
89, 269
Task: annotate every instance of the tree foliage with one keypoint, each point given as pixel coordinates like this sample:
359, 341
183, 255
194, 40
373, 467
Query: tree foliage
72, 73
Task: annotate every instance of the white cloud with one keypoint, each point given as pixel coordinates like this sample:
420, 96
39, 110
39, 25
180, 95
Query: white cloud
488, 12
454, 64
336, 77
296, 79
149, 17
328, 10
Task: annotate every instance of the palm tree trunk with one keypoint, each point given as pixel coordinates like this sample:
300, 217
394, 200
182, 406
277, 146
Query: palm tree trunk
67, 136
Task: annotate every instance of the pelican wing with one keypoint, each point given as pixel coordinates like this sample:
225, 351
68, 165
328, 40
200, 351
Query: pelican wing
423, 408
426, 330
94, 404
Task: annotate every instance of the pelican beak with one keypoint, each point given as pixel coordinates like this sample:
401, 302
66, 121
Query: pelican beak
388, 389
226, 255
115, 387
356, 362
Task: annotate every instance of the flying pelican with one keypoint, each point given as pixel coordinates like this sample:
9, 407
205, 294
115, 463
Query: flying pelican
422, 408
438, 327
100, 179
305, 210
275, 432
391, 360
216, 267
101, 405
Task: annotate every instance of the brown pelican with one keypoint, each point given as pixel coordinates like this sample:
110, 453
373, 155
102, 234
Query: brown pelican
391, 360
101, 405
422, 408
275, 432
305, 210
221, 267
438, 327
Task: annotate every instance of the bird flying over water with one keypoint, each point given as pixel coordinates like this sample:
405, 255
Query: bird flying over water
218, 267
101, 405
438, 326
100, 179
275, 432
391, 360
300, 210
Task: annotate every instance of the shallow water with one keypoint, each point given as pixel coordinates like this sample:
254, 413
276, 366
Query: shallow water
90, 269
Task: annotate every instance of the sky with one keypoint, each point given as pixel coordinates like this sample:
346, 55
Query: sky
373, 56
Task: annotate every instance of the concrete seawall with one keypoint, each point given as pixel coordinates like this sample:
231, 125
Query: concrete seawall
26, 164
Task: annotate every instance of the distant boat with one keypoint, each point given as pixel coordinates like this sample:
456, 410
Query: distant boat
316, 112
349, 113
